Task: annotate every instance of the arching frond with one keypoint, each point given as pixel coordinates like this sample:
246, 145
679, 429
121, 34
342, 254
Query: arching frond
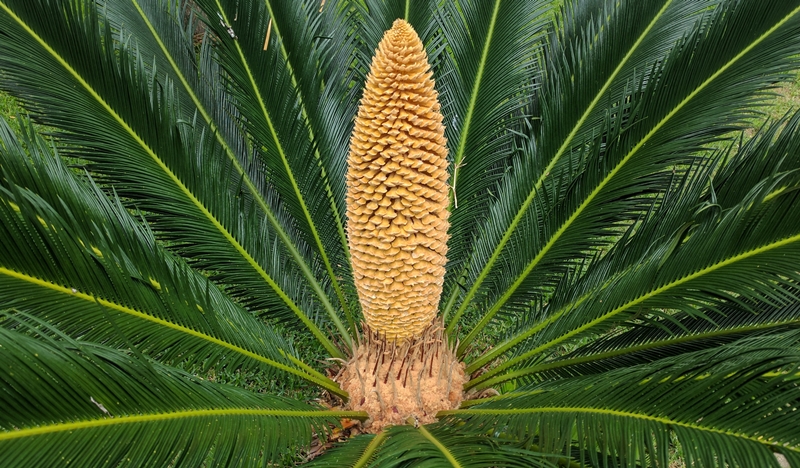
588, 70
133, 140
436, 445
745, 252
80, 261
665, 223
278, 96
160, 31
671, 336
731, 406
622, 272
68, 402
638, 152
486, 78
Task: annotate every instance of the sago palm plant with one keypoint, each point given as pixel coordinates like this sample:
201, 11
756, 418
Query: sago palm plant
410, 233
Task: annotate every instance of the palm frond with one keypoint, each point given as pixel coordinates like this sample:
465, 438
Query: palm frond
771, 157
277, 96
741, 253
132, 139
69, 402
486, 78
70, 255
585, 73
159, 30
436, 445
638, 156
750, 251
622, 275
378, 17
356, 453
665, 223
671, 336
730, 406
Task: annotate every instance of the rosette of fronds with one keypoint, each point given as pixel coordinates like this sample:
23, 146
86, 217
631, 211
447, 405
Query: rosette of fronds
503, 233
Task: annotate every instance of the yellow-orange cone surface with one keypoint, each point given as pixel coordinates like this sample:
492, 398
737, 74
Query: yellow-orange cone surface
397, 195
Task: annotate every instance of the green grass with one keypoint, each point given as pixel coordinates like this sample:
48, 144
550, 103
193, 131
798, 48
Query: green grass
9, 110
787, 99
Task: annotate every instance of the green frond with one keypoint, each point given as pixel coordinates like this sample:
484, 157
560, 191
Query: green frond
355, 453
693, 222
133, 140
751, 249
429, 446
672, 336
637, 153
622, 279
565, 118
159, 31
486, 80
665, 223
731, 406
82, 404
80, 261
770, 157
277, 96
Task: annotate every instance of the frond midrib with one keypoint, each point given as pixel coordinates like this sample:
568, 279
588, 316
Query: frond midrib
500, 349
652, 345
188, 414
246, 179
458, 159
440, 446
373, 446
345, 334
326, 180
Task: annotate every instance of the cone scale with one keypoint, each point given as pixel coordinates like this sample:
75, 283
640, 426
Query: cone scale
397, 195
397, 222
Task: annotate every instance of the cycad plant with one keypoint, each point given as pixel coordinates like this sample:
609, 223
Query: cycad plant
503, 233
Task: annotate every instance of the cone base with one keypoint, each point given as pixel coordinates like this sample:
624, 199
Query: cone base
397, 380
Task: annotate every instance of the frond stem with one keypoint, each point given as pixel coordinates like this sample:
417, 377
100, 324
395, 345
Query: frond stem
643, 347
498, 351
147, 418
248, 182
656, 344
324, 175
178, 183
502, 396
458, 160
373, 446
624, 414
449, 456
556, 236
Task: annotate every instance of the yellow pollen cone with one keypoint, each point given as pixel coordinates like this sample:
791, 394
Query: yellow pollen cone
397, 190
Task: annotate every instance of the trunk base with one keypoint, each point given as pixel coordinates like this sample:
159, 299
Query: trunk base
394, 381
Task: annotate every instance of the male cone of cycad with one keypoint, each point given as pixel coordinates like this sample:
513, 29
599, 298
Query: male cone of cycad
397, 195
397, 200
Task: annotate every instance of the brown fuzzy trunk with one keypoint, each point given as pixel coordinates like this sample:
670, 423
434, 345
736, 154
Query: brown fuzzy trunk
393, 380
